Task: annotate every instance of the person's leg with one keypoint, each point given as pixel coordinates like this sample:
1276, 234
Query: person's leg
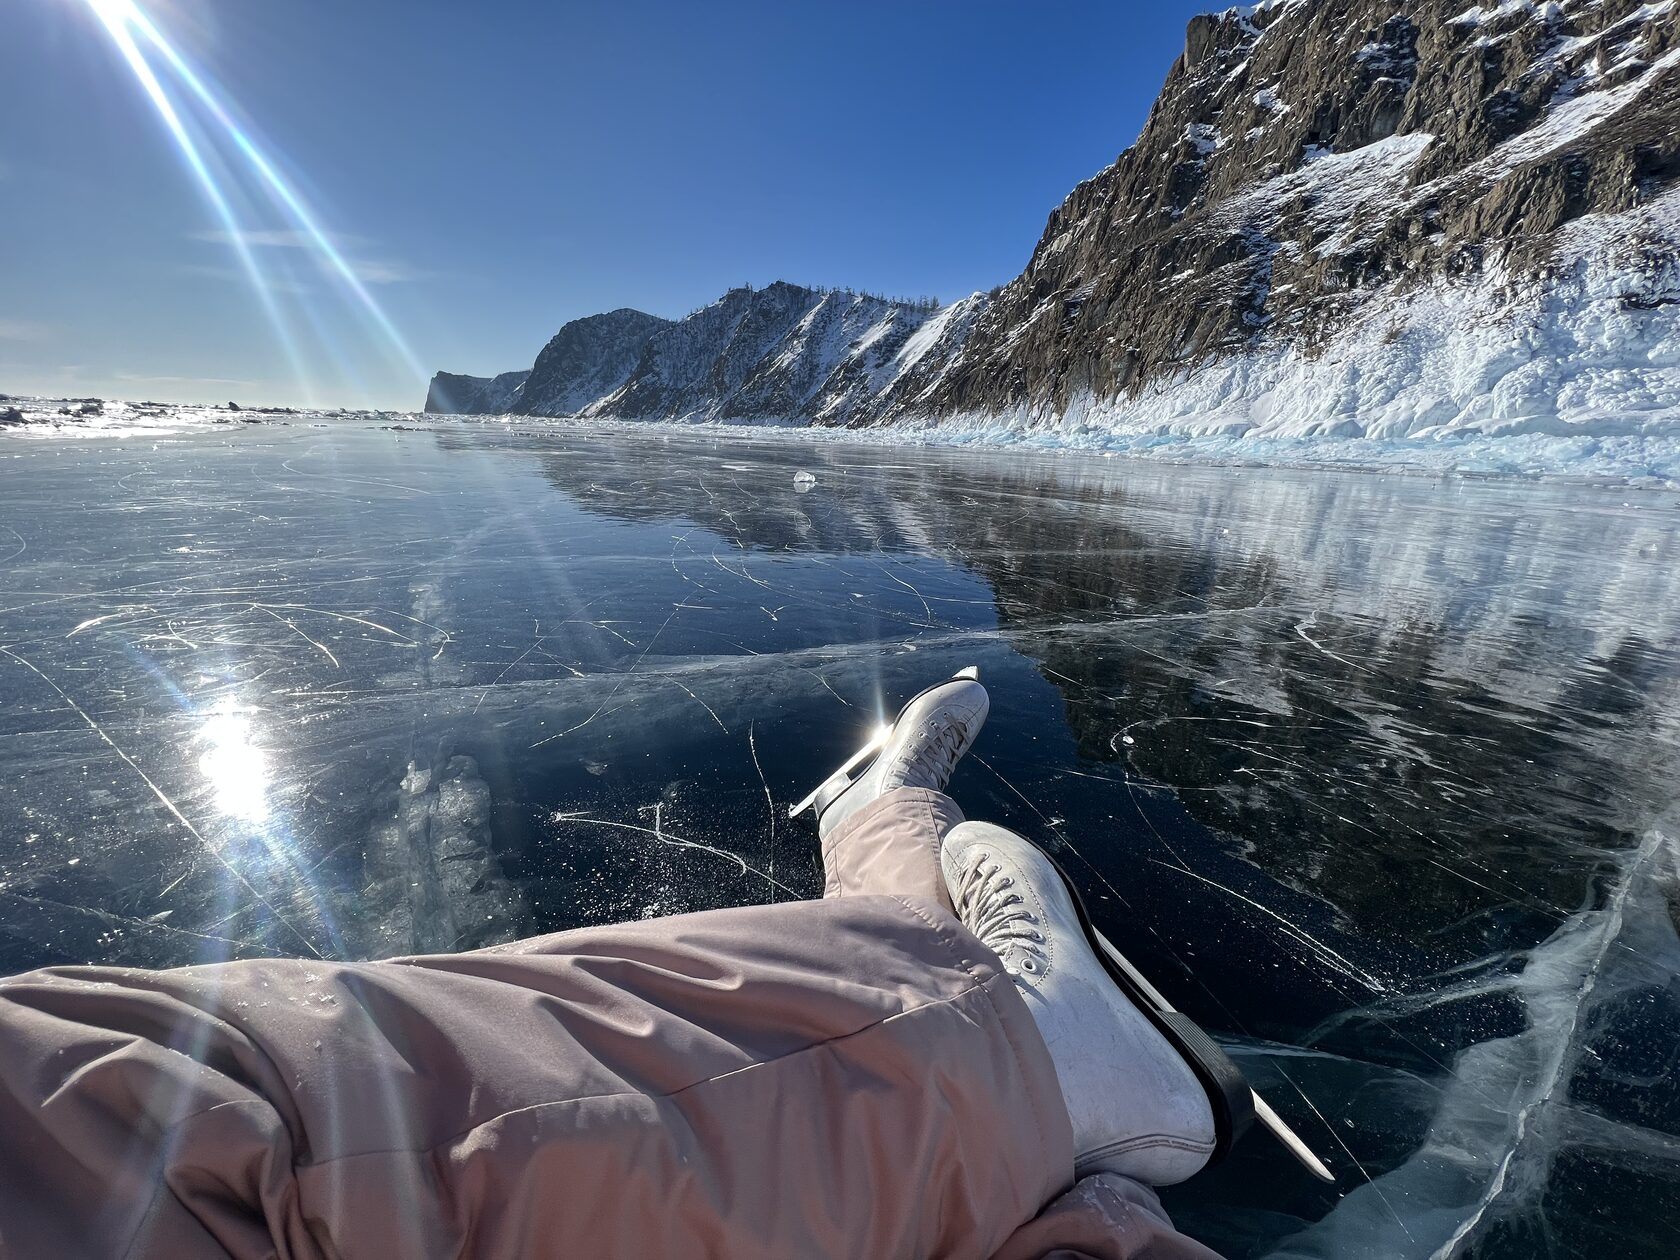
894, 839
1148, 1098
858, 1076
891, 846
847, 1077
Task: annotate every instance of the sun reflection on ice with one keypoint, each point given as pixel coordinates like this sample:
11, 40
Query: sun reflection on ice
236, 767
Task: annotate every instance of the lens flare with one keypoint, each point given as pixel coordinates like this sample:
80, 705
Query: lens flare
112, 15
123, 20
277, 185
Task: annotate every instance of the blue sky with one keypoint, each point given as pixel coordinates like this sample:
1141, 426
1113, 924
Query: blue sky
494, 169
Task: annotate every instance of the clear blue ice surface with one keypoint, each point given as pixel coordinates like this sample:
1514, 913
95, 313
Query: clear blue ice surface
1373, 774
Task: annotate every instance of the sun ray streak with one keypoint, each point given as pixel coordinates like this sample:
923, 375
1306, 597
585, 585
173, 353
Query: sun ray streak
115, 16
277, 184
129, 26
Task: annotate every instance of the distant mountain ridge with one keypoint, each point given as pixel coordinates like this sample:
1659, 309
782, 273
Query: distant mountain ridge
783, 353
1342, 217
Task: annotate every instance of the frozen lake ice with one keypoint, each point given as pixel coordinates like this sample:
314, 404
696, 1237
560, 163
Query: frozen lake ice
1374, 775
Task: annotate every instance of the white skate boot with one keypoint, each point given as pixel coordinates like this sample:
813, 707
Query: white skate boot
920, 749
1149, 1093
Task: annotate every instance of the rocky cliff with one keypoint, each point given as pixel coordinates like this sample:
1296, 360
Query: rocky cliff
455, 394
1307, 156
781, 353
588, 359
1342, 217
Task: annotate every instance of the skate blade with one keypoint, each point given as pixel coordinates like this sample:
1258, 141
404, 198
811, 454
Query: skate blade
1262, 1110
1291, 1142
878, 741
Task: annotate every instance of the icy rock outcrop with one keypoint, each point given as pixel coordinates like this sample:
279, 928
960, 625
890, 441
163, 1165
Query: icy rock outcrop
433, 883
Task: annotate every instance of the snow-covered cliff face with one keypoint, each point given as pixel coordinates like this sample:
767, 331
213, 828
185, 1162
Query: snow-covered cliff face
1398, 219
587, 359
781, 353
1309, 162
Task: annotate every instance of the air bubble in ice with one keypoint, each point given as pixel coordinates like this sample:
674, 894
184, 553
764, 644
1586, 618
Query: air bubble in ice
803, 481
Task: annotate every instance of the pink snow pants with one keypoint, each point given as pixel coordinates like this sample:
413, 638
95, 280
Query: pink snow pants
850, 1077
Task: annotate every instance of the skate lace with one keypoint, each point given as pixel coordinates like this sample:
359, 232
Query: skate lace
999, 916
936, 758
